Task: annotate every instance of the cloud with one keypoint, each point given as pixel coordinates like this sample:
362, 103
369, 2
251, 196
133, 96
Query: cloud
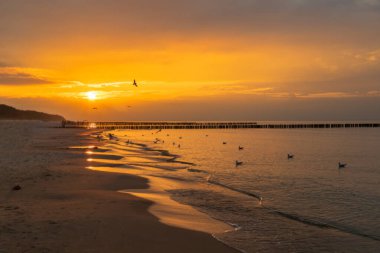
4, 65
371, 3
308, 19
20, 78
340, 95
372, 56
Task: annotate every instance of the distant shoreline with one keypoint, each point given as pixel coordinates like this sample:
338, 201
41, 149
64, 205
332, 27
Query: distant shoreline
11, 113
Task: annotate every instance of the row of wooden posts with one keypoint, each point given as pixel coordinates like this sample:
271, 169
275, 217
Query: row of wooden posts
209, 125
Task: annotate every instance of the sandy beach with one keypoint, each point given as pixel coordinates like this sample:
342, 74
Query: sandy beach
63, 207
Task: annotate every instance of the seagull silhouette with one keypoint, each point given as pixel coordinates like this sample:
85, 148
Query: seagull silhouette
135, 83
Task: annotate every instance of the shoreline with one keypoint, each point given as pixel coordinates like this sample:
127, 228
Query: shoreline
169, 211
63, 207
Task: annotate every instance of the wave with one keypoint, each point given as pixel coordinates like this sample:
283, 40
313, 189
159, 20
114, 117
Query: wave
172, 178
251, 194
322, 224
161, 167
196, 170
165, 153
296, 217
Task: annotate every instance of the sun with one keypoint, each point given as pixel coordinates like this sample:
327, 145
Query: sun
91, 95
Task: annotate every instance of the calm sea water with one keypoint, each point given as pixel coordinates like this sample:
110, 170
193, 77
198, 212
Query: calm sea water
307, 203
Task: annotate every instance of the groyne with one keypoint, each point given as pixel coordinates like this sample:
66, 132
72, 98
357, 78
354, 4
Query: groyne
211, 125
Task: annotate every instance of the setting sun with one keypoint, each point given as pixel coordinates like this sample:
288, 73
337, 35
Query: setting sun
91, 95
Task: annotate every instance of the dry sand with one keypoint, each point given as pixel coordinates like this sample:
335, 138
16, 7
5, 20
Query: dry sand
63, 207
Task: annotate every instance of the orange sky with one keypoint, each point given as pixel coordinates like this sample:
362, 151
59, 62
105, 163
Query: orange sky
285, 59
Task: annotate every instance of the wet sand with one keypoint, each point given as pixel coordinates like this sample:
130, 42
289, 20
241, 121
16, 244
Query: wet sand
63, 207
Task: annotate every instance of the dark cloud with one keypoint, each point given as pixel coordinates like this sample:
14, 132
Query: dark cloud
3, 65
339, 21
19, 78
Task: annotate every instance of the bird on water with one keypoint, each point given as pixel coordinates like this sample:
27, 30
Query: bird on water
342, 165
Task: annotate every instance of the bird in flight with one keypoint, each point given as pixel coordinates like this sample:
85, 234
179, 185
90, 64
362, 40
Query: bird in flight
135, 83
95, 108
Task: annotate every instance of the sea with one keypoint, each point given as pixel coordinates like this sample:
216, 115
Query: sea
305, 202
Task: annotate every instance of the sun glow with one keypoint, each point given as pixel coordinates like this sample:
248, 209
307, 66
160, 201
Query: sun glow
91, 95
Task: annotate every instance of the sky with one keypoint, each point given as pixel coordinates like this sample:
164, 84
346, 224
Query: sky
192, 59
